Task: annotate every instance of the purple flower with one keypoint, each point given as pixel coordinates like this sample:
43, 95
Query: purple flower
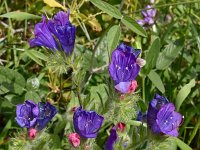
123, 67
148, 15
46, 113
111, 139
168, 120
87, 123
26, 114
43, 36
161, 116
61, 27
57, 29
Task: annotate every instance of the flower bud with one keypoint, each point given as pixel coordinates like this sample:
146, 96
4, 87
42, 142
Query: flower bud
121, 126
74, 139
32, 133
133, 86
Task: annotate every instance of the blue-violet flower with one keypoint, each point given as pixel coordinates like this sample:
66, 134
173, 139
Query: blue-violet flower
162, 117
148, 15
87, 123
111, 139
47, 33
123, 67
46, 113
62, 28
43, 36
26, 114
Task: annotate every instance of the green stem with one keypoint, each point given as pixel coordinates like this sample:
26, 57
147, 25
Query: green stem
194, 132
143, 87
121, 5
171, 4
135, 6
96, 46
9, 21
26, 22
79, 96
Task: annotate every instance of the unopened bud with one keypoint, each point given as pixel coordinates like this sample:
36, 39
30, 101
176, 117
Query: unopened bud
32, 133
74, 139
121, 126
133, 86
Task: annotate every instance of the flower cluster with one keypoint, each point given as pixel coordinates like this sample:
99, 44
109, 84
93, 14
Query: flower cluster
59, 34
162, 117
56, 34
124, 68
30, 115
148, 15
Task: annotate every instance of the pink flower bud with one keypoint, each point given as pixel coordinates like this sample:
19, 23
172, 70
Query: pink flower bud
133, 86
74, 139
121, 126
141, 62
32, 133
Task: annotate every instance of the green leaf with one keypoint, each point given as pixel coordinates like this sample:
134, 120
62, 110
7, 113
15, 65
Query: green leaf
98, 96
39, 55
14, 99
168, 55
11, 80
195, 33
107, 8
152, 55
183, 93
194, 132
32, 95
113, 37
36, 56
133, 25
20, 15
5, 131
181, 144
155, 79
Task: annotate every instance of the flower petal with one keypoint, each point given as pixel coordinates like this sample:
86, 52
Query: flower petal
43, 36
87, 123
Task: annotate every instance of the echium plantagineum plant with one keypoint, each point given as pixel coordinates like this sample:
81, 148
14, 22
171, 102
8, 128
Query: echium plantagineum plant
87, 127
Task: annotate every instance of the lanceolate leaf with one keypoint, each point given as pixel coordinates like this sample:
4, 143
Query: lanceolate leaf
183, 93
5, 131
107, 8
155, 79
181, 144
113, 37
20, 15
36, 56
168, 55
133, 25
152, 55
